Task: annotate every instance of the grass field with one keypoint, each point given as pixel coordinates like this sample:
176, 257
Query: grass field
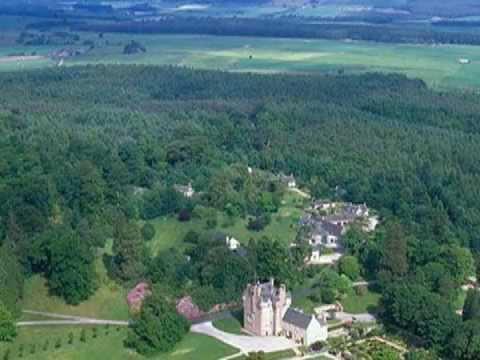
230, 325
437, 65
108, 344
361, 304
170, 232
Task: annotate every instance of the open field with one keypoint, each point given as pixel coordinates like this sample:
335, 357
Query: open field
437, 65
170, 232
40, 343
356, 304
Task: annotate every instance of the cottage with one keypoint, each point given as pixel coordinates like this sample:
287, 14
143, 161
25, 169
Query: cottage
464, 61
304, 329
324, 205
232, 243
186, 191
289, 180
326, 233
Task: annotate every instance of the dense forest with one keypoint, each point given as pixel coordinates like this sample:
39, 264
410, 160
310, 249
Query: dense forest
89, 151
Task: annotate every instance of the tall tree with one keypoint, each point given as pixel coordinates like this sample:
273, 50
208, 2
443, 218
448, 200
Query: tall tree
128, 250
158, 328
395, 249
7, 327
471, 307
465, 342
71, 267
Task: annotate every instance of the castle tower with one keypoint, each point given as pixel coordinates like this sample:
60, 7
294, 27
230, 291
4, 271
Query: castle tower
264, 306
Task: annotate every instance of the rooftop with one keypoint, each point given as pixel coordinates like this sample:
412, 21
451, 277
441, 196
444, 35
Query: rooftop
297, 318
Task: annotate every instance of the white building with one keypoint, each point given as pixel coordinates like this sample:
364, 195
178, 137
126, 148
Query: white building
304, 329
186, 191
232, 243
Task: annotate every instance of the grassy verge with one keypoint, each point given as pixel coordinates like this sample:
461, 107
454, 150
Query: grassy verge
229, 325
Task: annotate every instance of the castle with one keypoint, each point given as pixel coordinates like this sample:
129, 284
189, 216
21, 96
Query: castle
267, 312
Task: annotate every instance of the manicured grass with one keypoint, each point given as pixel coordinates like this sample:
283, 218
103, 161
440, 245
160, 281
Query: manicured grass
229, 325
105, 346
170, 232
108, 302
437, 65
361, 304
278, 355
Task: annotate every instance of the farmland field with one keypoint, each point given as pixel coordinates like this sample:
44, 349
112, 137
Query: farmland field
437, 65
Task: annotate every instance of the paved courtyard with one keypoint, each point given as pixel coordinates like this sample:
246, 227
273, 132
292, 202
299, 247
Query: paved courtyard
245, 343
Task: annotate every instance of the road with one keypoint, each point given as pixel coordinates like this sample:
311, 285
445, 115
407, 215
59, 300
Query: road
245, 343
66, 320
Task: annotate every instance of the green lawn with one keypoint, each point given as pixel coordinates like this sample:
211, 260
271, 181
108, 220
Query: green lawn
108, 302
170, 232
438, 65
360, 304
230, 325
107, 345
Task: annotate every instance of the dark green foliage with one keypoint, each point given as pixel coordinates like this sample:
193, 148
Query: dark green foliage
83, 336
348, 265
161, 201
58, 343
471, 307
158, 328
71, 269
128, 251
8, 330
6, 355
421, 312
465, 343
394, 259
410, 153
420, 354
169, 268
259, 222
148, 232
11, 278
70, 338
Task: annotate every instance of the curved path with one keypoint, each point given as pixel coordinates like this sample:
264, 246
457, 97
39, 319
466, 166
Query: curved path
245, 343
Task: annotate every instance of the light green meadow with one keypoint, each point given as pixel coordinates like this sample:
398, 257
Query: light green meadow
437, 65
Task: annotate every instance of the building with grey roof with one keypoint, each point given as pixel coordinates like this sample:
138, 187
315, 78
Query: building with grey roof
267, 312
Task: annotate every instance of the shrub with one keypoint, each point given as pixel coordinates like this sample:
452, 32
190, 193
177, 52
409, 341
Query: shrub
83, 336
148, 232
361, 290
184, 215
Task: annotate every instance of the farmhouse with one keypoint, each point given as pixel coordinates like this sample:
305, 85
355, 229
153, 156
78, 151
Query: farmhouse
267, 312
186, 191
288, 180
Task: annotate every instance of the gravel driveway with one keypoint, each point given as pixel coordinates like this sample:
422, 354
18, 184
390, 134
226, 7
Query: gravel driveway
245, 343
